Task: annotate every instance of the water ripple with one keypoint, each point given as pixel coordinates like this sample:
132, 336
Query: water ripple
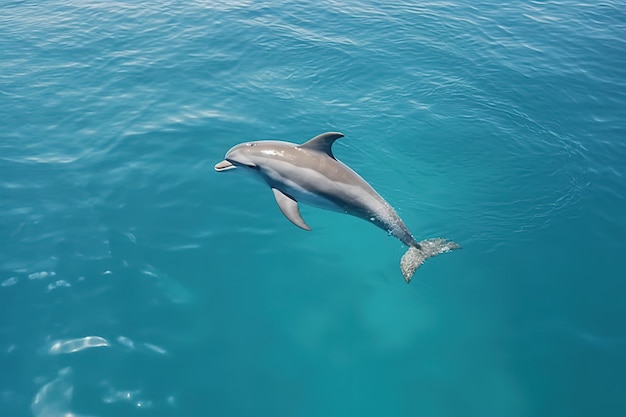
76, 345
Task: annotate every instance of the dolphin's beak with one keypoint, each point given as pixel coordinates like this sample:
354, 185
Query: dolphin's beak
224, 166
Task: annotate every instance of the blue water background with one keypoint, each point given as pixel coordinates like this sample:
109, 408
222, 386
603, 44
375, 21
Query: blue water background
135, 280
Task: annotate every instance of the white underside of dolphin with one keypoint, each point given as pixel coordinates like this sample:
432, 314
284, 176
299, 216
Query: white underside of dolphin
310, 173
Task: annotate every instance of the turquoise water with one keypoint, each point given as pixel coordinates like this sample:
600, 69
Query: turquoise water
134, 280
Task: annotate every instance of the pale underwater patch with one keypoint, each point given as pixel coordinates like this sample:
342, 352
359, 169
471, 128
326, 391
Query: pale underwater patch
173, 290
54, 398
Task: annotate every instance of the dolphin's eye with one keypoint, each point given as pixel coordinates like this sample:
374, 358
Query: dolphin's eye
251, 144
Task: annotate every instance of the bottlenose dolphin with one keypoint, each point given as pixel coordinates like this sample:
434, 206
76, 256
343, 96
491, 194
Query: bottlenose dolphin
311, 174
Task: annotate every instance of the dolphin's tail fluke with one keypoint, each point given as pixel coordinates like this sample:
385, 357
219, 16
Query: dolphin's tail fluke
416, 255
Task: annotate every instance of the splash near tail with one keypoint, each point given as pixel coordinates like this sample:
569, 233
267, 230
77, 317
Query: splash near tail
415, 256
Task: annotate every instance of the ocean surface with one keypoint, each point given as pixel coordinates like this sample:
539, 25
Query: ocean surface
137, 281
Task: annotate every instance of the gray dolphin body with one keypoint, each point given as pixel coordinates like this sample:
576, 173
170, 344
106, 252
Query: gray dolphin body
311, 174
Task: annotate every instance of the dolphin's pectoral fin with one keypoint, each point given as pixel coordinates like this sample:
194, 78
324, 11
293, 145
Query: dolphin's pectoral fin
323, 142
290, 209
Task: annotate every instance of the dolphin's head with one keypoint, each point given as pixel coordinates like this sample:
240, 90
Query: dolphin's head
253, 155
239, 156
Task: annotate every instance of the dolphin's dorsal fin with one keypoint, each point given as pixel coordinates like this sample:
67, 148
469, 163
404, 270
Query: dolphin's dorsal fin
290, 209
323, 142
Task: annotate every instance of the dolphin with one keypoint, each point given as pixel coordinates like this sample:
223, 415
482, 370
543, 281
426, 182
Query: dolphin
310, 173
